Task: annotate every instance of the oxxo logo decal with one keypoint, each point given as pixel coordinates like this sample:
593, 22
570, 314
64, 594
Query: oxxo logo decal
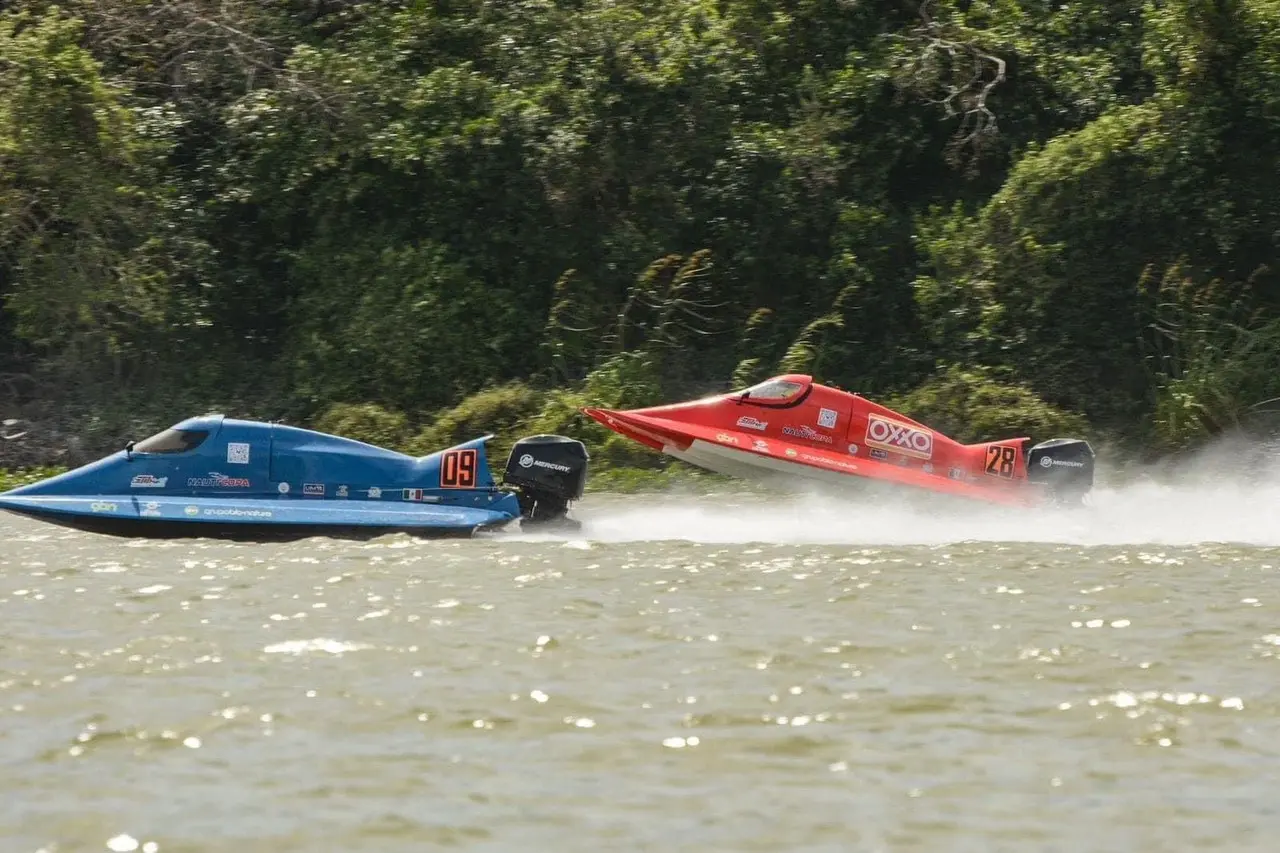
899, 437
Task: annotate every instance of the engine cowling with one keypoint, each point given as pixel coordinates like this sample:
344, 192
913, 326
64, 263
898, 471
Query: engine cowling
1064, 466
548, 473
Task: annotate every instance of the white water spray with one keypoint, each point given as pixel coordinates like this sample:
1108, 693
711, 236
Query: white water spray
1229, 493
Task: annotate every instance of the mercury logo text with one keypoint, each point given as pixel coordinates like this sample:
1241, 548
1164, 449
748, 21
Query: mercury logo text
527, 461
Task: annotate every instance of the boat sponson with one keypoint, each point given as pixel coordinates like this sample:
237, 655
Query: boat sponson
178, 516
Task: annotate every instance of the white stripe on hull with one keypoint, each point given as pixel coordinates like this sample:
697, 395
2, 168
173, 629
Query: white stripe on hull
754, 466
792, 476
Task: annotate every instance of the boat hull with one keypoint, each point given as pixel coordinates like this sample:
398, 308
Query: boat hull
218, 477
777, 462
250, 520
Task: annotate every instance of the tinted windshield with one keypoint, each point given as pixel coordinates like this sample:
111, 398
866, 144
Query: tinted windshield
774, 389
172, 441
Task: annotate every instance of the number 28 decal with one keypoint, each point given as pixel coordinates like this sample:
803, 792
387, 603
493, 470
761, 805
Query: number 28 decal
458, 469
1000, 459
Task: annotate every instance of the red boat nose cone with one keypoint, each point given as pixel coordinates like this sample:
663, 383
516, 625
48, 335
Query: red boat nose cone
601, 415
675, 412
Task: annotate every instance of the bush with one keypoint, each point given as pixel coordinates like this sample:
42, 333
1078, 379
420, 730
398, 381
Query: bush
23, 476
972, 406
626, 381
366, 422
1227, 371
504, 411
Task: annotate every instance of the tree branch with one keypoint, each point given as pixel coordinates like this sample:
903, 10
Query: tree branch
970, 74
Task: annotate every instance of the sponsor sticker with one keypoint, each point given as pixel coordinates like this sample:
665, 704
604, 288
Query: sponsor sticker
827, 418
955, 473
879, 454
853, 450
103, 506
148, 481
790, 451
150, 508
527, 461
899, 437
761, 445
192, 510
283, 488
218, 512
375, 493
927, 467
218, 481
342, 491
413, 494
830, 463
725, 438
748, 422
313, 488
808, 433
237, 453
1047, 462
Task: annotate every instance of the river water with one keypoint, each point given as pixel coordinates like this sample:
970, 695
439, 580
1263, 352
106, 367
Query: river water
709, 673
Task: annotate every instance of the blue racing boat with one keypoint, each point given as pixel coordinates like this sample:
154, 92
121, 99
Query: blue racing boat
215, 476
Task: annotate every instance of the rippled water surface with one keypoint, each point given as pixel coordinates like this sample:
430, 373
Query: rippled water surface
687, 675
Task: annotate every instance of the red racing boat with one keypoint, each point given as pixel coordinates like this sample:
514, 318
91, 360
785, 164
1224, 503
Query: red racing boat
792, 426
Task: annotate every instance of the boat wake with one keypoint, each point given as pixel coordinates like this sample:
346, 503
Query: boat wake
1213, 498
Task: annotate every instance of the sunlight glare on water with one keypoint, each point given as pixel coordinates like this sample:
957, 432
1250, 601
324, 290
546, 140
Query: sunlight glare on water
688, 674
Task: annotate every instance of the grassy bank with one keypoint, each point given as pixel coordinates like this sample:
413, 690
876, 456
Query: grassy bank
20, 477
969, 405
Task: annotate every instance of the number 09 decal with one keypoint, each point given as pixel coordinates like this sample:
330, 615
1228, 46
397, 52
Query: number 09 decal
1000, 460
458, 469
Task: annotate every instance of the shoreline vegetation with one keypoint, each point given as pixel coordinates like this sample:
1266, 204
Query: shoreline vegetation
417, 223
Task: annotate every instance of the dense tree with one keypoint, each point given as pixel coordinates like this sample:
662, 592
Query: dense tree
280, 209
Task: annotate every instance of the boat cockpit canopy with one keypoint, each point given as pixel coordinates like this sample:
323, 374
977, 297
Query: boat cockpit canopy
172, 441
776, 390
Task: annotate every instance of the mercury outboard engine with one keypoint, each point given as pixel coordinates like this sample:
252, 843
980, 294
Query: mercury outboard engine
548, 472
1064, 466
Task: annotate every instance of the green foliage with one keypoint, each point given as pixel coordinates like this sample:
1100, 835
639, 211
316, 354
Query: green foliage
626, 381
272, 208
367, 422
23, 476
973, 406
1214, 357
502, 411
99, 272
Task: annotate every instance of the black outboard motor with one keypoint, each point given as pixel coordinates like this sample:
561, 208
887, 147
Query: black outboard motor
1064, 466
548, 472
